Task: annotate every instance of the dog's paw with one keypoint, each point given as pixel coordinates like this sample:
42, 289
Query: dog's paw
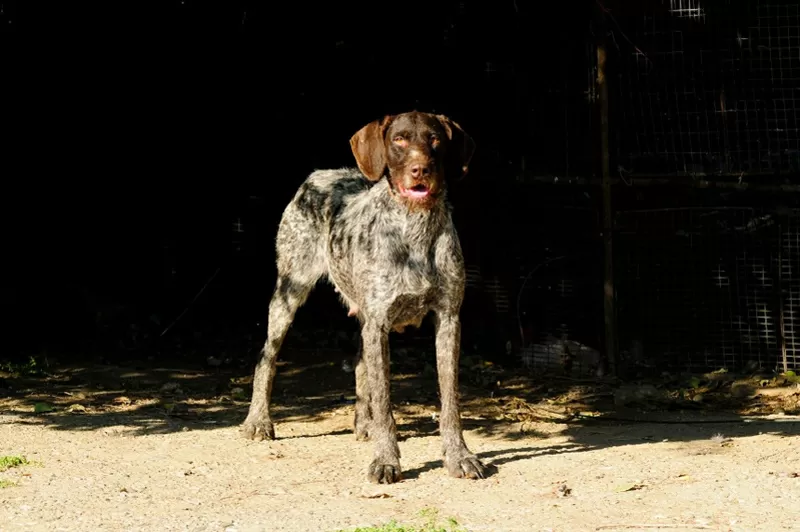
467, 467
258, 430
381, 472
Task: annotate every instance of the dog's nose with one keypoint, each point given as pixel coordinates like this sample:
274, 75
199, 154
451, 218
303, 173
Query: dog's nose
419, 170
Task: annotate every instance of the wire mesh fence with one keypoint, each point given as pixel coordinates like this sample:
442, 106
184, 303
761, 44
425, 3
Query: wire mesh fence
706, 87
707, 285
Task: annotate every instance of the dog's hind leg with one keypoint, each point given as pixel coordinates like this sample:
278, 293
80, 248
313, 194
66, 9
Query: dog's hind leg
363, 416
300, 265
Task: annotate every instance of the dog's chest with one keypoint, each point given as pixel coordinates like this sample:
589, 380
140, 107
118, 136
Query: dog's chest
386, 266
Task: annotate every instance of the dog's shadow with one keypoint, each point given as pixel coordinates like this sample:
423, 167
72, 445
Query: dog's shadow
493, 459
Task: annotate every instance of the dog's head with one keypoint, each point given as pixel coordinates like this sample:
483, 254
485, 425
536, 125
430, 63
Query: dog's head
421, 151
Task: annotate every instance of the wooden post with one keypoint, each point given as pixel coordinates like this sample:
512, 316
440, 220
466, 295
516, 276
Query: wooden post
609, 306
781, 324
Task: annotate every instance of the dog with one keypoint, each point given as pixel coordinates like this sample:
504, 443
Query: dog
383, 235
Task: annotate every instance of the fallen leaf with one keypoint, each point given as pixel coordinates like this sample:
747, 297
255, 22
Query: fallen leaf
628, 487
786, 474
563, 491
375, 495
76, 408
40, 408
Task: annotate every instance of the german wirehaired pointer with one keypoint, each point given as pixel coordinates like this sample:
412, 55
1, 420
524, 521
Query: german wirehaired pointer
385, 239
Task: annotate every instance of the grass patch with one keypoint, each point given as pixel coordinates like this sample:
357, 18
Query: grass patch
7, 484
431, 516
7, 462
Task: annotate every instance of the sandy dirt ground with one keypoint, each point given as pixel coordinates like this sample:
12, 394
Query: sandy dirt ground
154, 448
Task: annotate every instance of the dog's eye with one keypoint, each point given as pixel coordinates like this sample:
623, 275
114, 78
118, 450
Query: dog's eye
434, 140
399, 139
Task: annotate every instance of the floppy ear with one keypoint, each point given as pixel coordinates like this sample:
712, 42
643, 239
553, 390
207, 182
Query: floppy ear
369, 148
460, 149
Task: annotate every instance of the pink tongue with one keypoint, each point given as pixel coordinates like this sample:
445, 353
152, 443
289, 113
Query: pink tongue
410, 192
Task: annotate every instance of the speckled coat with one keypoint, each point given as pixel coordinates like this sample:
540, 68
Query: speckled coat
392, 264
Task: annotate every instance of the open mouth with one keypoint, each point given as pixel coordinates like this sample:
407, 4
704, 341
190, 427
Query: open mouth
419, 191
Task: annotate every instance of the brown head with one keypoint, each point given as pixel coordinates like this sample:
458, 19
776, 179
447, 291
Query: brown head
420, 151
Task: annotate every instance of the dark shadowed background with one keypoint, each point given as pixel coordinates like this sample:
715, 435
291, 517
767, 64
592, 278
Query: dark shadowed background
151, 146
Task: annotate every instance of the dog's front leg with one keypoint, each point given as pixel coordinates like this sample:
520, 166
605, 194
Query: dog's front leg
385, 467
458, 459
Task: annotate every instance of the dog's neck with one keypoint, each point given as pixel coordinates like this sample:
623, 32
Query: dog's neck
417, 223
